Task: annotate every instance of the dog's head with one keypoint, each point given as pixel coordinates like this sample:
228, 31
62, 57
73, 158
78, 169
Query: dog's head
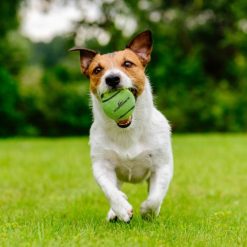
123, 68
120, 69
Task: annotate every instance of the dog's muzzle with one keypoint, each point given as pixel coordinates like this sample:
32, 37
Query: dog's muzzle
125, 123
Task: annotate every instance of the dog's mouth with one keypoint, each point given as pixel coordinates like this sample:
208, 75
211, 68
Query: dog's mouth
134, 92
124, 123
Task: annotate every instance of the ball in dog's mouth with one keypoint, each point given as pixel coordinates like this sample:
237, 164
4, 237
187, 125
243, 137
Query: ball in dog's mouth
127, 122
119, 105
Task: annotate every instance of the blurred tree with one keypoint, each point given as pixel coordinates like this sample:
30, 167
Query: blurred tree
10, 119
199, 51
198, 69
8, 15
13, 51
9, 42
50, 54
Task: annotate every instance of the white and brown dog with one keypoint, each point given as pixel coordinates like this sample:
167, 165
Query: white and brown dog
138, 148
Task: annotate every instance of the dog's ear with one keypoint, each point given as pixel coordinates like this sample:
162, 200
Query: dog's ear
86, 57
142, 46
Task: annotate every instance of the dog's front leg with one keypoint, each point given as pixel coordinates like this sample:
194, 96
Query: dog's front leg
105, 176
158, 185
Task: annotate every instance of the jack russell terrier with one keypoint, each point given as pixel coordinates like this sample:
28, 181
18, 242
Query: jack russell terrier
133, 150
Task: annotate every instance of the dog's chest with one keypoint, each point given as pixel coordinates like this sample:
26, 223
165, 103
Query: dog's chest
132, 165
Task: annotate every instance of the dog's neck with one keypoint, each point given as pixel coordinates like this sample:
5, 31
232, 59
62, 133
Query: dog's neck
141, 116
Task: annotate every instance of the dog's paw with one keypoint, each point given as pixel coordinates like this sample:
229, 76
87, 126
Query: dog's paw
150, 209
111, 216
121, 208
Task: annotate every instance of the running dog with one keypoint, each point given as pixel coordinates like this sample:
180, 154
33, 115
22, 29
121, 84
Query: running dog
133, 150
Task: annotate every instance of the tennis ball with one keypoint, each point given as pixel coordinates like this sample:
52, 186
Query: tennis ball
118, 104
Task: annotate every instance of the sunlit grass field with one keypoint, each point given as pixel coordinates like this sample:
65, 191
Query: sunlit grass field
48, 196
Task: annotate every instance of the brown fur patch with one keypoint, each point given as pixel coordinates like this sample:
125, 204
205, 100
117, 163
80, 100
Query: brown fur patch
117, 59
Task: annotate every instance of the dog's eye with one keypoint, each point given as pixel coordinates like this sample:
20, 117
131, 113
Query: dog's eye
127, 64
97, 70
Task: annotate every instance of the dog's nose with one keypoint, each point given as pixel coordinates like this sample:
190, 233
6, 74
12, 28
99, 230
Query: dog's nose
112, 80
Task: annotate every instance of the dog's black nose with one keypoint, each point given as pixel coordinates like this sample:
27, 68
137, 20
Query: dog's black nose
112, 80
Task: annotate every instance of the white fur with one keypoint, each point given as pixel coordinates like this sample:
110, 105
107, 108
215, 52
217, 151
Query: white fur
139, 152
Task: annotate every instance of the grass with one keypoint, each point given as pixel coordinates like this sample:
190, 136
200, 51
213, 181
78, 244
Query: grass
48, 196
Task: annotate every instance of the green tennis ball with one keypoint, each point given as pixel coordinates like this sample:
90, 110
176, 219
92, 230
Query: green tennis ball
118, 104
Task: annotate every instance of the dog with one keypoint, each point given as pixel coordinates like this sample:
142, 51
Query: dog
138, 148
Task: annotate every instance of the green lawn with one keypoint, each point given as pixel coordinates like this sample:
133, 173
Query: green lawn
48, 196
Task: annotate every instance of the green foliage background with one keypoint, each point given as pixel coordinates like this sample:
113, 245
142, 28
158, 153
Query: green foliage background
198, 68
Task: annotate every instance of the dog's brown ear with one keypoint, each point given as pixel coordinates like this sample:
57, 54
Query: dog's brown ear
142, 46
86, 57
